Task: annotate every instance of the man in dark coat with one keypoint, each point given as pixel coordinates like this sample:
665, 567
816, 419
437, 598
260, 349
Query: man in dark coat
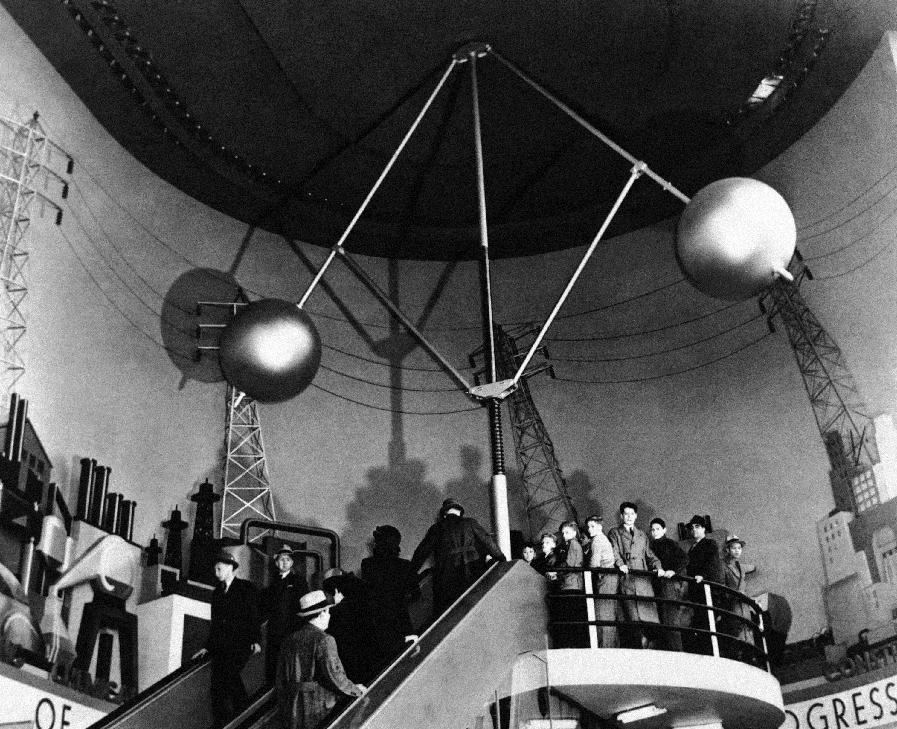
310, 681
233, 638
279, 604
672, 561
459, 546
703, 564
632, 552
393, 584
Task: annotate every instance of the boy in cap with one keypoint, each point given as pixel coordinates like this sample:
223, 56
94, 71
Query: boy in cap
310, 678
233, 638
279, 604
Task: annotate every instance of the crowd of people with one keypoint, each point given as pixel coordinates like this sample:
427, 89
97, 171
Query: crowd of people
325, 646
638, 604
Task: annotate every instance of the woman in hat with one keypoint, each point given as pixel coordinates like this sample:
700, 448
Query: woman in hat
310, 678
738, 625
393, 583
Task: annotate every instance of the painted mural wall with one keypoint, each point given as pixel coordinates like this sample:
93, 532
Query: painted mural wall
663, 396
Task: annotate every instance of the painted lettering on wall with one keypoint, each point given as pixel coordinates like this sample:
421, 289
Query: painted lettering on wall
25, 703
869, 706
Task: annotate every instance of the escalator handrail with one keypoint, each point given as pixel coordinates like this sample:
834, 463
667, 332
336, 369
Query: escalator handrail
151, 693
389, 680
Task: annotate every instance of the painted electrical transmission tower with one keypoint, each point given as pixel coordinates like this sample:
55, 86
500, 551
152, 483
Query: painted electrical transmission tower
548, 503
846, 428
247, 489
27, 160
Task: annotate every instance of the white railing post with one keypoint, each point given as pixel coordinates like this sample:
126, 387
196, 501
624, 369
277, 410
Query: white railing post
711, 620
590, 609
763, 641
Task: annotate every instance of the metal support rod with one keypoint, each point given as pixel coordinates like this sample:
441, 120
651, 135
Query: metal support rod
636, 172
381, 296
665, 184
488, 325
392, 160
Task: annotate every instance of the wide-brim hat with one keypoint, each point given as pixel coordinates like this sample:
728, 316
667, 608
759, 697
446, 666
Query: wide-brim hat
733, 539
311, 603
698, 520
226, 557
449, 504
284, 549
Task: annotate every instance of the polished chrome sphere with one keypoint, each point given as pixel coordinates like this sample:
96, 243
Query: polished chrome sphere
734, 237
270, 351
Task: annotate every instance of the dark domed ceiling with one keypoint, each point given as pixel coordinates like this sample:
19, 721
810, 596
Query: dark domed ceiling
284, 114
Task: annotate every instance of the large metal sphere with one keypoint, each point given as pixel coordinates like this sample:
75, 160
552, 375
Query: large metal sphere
733, 236
270, 351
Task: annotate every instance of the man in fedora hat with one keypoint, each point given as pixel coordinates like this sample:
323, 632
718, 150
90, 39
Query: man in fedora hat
703, 564
279, 604
310, 678
233, 638
459, 546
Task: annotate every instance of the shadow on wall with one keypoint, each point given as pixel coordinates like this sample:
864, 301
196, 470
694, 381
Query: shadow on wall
400, 494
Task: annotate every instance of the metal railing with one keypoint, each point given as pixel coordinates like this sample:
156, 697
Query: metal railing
710, 618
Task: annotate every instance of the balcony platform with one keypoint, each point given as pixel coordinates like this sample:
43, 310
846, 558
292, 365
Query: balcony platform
695, 690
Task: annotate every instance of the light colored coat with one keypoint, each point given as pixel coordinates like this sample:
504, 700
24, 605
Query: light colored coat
633, 551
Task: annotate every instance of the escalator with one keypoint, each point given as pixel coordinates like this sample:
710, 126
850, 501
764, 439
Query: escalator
450, 671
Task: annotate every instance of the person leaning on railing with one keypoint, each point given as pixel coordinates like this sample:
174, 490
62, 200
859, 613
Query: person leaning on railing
673, 561
600, 554
632, 552
734, 578
569, 583
703, 564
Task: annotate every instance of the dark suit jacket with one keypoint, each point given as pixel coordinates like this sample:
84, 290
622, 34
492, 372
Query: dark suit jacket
280, 602
235, 619
459, 546
703, 560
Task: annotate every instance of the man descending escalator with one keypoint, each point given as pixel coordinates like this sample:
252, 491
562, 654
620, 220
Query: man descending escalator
233, 638
311, 684
279, 604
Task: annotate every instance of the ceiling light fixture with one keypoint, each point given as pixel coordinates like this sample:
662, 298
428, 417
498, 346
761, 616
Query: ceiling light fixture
639, 713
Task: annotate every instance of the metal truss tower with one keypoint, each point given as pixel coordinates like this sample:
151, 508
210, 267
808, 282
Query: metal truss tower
846, 428
247, 489
548, 503
27, 160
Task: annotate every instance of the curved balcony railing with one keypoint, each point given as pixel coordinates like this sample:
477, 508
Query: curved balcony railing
710, 618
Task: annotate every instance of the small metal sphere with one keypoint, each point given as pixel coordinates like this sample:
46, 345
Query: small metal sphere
734, 237
270, 351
